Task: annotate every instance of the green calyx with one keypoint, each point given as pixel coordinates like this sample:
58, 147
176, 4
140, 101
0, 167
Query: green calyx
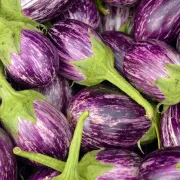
101, 8
125, 28
100, 67
12, 21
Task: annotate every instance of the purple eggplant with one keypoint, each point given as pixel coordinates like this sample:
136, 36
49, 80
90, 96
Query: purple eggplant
114, 121
178, 43
44, 10
8, 165
85, 59
157, 19
58, 92
120, 43
151, 67
33, 123
84, 11
160, 165
121, 2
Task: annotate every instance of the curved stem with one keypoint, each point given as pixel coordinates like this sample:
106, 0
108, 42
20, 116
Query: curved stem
113, 76
70, 171
101, 8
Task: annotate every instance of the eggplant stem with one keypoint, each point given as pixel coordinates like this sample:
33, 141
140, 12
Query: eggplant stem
101, 8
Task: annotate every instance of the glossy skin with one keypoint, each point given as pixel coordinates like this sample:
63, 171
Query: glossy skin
84, 11
144, 63
114, 121
121, 2
73, 43
157, 19
160, 165
58, 92
178, 43
8, 166
44, 10
169, 127
126, 164
38, 62
120, 43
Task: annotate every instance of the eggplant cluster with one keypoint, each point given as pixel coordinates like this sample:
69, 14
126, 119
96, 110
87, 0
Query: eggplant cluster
90, 90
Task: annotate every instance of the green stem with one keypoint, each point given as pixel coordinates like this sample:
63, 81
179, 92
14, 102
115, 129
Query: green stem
71, 171
41, 158
113, 76
101, 8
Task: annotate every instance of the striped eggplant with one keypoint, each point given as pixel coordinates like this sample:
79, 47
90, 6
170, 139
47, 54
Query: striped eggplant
178, 43
114, 121
160, 165
151, 67
58, 92
33, 123
120, 43
85, 59
157, 19
117, 19
95, 165
8, 165
84, 11
121, 2
44, 10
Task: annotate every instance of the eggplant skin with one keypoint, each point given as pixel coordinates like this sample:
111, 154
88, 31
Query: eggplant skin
121, 2
44, 174
169, 127
38, 61
45, 10
160, 165
157, 19
120, 43
84, 11
178, 43
72, 41
126, 164
114, 121
50, 135
145, 62
8, 165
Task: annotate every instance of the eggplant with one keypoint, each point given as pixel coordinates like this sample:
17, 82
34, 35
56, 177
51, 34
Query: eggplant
45, 10
152, 67
122, 2
58, 92
114, 121
8, 168
161, 164
157, 19
178, 43
85, 59
120, 43
84, 11
33, 123
100, 164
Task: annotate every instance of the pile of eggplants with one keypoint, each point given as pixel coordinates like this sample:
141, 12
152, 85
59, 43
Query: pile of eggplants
90, 89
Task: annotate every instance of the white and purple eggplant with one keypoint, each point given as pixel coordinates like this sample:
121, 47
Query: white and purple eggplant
84, 11
153, 68
120, 43
178, 43
122, 2
101, 164
85, 59
33, 123
157, 19
160, 165
8, 165
45, 10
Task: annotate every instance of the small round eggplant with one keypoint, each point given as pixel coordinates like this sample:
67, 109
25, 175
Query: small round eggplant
8, 165
37, 63
160, 165
44, 10
178, 43
122, 2
157, 19
84, 11
114, 121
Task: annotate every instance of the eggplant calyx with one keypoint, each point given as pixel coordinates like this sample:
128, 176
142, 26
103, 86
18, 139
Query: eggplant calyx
101, 8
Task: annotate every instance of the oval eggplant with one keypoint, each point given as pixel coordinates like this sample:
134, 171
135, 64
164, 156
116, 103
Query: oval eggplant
8, 168
58, 92
121, 2
120, 43
145, 63
44, 10
178, 43
157, 19
38, 61
114, 121
161, 164
84, 11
